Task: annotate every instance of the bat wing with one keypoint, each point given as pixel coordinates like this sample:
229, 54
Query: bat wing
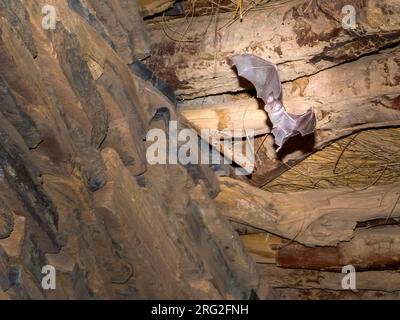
264, 76
261, 73
288, 125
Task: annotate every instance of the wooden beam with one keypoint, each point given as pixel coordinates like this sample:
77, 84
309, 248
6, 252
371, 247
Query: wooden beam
315, 217
302, 37
343, 106
231, 117
152, 7
284, 280
262, 246
375, 248
370, 249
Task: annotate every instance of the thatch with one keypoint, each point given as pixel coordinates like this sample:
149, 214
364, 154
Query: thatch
368, 158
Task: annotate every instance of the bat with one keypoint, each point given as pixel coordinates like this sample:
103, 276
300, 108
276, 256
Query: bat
264, 75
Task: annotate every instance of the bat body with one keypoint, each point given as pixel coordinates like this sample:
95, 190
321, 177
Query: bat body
264, 76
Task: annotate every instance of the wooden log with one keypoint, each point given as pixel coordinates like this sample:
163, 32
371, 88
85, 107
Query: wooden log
295, 279
243, 229
370, 249
302, 37
323, 294
229, 118
342, 106
262, 246
152, 7
315, 217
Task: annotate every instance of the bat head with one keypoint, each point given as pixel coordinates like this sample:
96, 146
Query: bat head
273, 105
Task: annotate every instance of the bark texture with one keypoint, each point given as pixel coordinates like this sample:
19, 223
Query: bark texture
315, 217
300, 37
75, 188
77, 193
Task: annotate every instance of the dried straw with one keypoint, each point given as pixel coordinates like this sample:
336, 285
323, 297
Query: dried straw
365, 159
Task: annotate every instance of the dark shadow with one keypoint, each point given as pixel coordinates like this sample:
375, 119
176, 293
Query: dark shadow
298, 143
